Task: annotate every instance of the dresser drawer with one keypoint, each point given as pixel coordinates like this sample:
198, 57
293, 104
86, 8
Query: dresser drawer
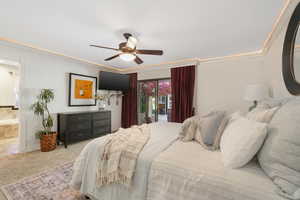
100, 131
79, 135
81, 117
102, 115
80, 125
103, 122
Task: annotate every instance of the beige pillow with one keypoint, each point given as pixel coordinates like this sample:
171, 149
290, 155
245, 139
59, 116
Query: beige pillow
188, 129
263, 115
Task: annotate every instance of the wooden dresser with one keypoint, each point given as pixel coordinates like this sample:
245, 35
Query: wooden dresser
78, 126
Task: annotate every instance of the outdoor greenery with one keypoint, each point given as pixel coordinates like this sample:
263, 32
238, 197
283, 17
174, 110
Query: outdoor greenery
148, 91
40, 108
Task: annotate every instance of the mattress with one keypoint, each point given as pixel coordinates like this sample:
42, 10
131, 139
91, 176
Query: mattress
186, 171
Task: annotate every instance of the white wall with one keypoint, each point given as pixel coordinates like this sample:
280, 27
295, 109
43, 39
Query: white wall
154, 74
40, 70
221, 85
8, 81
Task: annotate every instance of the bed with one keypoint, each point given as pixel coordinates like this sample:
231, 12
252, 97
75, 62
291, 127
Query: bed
170, 169
186, 171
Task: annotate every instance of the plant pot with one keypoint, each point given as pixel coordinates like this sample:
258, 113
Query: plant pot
48, 142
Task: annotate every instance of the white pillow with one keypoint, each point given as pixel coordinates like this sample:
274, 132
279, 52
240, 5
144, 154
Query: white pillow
241, 140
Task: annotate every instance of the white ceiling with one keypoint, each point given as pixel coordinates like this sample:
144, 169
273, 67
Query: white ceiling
183, 29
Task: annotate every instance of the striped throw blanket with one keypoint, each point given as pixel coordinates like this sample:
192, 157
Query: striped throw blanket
121, 151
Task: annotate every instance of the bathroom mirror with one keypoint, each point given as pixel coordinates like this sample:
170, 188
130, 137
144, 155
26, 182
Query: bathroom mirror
291, 54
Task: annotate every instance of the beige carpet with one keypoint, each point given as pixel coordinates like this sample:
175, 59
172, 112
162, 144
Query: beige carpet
16, 167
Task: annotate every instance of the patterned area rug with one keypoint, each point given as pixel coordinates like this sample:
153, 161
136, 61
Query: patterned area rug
50, 185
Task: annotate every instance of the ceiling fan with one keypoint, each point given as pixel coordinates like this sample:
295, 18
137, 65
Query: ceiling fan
128, 52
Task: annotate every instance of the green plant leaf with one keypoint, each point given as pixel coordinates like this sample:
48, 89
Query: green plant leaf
40, 108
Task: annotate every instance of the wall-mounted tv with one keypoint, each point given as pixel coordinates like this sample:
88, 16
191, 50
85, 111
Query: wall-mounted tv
113, 81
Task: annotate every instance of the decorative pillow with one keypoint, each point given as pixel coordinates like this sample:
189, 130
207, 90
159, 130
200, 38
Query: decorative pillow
262, 114
241, 140
188, 129
208, 126
226, 120
280, 155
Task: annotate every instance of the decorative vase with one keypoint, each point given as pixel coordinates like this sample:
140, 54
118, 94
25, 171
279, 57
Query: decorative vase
48, 142
101, 105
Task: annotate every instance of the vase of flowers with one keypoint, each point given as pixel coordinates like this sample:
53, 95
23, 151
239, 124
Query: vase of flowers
101, 98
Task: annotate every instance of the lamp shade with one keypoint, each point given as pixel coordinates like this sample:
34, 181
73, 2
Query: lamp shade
256, 92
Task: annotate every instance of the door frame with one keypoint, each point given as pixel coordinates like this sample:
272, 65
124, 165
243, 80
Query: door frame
156, 94
22, 137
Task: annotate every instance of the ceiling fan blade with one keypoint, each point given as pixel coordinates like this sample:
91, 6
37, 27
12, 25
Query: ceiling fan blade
138, 60
110, 58
104, 47
150, 52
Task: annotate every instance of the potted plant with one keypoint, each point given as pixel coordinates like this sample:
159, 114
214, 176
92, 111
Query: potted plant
40, 108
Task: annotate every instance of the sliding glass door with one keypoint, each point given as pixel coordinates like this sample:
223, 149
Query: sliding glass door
154, 100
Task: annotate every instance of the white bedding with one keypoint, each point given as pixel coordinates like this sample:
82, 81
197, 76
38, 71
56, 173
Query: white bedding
84, 176
186, 171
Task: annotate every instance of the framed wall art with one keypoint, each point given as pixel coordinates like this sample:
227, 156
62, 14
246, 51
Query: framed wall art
82, 90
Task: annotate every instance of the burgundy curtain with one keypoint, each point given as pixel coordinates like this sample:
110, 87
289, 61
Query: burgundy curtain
183, 81
129, 103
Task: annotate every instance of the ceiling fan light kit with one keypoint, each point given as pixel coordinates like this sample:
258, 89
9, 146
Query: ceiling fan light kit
128, 52
127, 57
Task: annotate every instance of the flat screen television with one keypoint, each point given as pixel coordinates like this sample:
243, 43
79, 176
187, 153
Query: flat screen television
113, 81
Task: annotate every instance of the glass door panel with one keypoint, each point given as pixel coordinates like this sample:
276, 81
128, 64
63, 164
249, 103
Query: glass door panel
154, 102
147, 101
164, 100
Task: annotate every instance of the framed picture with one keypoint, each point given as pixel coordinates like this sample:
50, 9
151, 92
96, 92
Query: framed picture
82, 90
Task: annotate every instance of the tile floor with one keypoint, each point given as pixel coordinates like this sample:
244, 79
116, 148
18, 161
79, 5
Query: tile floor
8, 146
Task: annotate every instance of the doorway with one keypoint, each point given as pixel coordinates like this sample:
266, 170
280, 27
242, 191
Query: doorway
9, 108
154, 100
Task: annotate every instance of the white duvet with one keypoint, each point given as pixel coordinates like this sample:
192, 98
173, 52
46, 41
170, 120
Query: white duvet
84, 175
168, 169
186, 171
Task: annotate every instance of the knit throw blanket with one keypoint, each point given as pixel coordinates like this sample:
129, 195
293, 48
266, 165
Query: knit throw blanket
118, 161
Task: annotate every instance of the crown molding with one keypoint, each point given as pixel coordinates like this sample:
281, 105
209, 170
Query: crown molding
281, 19
58, 54
178, 63
169, 63
265, 48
